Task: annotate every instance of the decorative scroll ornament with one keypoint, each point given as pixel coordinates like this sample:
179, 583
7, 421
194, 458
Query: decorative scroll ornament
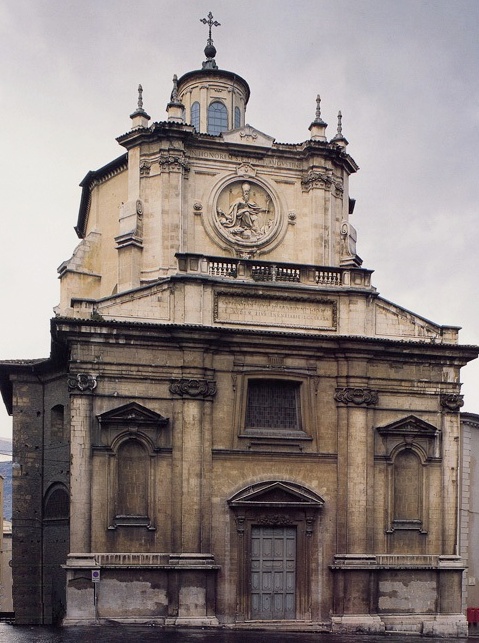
82, 382
249, 133
193, 388
309, 526
139, 219
240, 524
145, 168
197, 207
358, 396
338, 188
452, 402
246, 170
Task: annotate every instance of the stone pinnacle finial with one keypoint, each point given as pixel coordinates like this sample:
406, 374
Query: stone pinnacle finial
175, 108
318, 126
318, 118
174, 91
140, 117
339, 139
140, 98
318, 107
210, 49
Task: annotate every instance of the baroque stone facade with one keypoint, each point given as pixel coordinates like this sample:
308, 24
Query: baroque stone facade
233, 426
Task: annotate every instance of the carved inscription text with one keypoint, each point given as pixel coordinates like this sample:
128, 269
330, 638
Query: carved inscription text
275, 311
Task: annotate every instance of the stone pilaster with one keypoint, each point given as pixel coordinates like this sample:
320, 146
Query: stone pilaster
80, 520
450, 481
354, 452
192, 454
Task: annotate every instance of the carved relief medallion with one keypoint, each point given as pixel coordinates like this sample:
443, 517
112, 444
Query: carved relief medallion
245, 214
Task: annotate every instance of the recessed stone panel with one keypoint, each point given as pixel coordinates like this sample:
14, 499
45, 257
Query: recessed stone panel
289, 312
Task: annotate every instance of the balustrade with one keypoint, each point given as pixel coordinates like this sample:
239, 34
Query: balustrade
265, 271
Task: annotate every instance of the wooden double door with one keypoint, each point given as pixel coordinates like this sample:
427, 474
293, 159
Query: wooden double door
273, 573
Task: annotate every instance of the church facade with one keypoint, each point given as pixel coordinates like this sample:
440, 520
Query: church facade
234, 428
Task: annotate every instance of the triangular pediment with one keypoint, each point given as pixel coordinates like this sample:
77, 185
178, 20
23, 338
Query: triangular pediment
276, 494
410, 425
132, 413
248, 135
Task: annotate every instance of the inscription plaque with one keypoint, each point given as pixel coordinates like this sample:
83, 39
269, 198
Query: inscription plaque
286, 312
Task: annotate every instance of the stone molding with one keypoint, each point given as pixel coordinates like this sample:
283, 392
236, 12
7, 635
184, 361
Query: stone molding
193, 388
357, 396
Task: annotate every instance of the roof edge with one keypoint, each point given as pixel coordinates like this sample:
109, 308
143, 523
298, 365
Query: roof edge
86, 185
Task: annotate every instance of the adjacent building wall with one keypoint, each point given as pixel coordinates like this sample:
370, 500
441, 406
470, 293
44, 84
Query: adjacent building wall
470, 509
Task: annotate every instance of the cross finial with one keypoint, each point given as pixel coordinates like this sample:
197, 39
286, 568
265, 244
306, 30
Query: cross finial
211, 23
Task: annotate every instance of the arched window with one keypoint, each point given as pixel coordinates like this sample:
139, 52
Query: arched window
237, 117
217, 118
195, 115
57, 504
132, 479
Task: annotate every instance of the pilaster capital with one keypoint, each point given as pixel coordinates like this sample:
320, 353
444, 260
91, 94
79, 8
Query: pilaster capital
171, 163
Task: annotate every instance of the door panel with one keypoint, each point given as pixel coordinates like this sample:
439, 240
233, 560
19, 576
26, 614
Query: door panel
273, 573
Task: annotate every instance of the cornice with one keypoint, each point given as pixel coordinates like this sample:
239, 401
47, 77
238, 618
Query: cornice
63, 328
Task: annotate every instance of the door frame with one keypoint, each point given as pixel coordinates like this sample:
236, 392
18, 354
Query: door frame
275, 504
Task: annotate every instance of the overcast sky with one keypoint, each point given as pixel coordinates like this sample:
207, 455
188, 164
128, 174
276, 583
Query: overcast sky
403, 72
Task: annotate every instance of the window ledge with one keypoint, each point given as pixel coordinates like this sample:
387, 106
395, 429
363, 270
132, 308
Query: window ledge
277, 434
132, 521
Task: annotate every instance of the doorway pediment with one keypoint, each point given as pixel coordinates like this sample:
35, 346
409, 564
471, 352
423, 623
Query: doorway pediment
132, 413
410, 425
276, 494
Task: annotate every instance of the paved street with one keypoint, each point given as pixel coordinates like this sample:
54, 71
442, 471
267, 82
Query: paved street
127, 634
